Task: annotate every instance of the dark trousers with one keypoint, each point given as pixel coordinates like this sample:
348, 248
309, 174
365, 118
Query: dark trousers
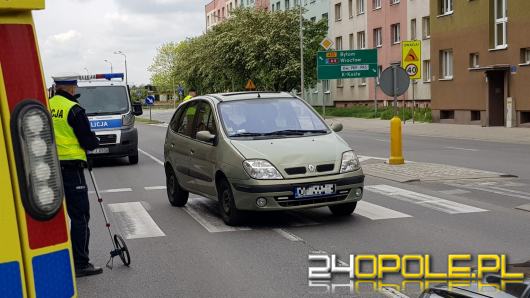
78, 208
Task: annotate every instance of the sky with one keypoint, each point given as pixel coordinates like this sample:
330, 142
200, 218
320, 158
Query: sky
78, 34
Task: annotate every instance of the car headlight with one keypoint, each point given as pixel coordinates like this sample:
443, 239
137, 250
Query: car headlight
127, 119
261, 169
350, 162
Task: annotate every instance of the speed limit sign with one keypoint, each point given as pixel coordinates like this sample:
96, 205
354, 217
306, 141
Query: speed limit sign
412, 70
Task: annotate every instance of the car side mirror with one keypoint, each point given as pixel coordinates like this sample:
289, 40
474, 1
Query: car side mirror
336, 126
137, 109
205, 136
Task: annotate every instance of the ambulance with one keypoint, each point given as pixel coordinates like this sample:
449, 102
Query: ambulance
35, 250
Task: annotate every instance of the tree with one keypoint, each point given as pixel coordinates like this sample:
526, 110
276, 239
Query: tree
252, 44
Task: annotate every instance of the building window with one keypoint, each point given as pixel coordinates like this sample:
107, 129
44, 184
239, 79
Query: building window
338, 43
278, 4
413, 29
446, 64
273, 6
379, 72
325, 16
446, 6
360, 6
525, 55
447, 114
395, 32
361, 40
426, 70
287, 5
475, 115
350, 8
338, 15
363, 82
473, 60
378, 37
392, 2
351, 42
501, 21
426, 30
376, 4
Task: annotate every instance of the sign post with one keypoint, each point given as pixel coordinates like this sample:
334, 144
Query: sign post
150, 100
411, 62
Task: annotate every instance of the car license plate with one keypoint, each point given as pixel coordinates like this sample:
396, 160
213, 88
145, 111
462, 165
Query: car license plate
99, 151
314, 191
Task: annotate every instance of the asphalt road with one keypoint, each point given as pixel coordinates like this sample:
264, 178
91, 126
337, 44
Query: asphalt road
189, 252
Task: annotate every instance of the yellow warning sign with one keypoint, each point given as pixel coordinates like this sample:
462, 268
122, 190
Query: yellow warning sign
250, 86
411, 58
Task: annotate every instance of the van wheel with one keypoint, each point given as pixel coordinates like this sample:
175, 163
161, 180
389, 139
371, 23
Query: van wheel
343, 209
227, 207
177, 196
133, 159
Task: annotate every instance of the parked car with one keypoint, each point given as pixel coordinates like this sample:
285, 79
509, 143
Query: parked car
259, 151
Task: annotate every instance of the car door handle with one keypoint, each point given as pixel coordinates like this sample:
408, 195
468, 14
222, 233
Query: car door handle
172, 145
192, 152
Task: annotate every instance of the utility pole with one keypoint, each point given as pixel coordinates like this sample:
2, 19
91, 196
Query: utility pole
124, 56
302, 88
111, 70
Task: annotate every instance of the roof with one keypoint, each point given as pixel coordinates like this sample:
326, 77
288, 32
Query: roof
249, 95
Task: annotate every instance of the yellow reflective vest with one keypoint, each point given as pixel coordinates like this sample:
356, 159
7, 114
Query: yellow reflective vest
68, 146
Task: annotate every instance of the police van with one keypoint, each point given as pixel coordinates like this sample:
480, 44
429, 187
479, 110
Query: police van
106, 100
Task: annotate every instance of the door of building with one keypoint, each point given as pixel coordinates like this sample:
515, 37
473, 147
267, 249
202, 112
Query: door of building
496, 98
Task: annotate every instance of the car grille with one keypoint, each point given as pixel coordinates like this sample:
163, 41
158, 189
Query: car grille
302, 170
107, 139
291, 202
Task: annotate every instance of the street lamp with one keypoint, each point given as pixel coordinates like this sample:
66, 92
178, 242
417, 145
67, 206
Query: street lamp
124, 56
110, 65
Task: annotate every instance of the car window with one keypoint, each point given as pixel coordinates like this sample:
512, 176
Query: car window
185, 126
175, 121
205, 119
102, 100
266, 116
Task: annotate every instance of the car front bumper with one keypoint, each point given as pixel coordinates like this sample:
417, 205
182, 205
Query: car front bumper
280, 193
127, 146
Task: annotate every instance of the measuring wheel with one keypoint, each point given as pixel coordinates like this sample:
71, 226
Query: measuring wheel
122, 250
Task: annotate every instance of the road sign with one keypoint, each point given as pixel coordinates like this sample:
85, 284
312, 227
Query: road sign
327, 43
411, 58
149, 100
349, 64
402, 81
250, 85
180, 91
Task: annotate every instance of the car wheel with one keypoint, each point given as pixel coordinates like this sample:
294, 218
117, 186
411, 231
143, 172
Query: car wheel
133, 159
343, 209
177, 196
227, 207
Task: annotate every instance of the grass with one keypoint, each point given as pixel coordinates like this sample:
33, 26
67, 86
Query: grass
384, 113
147, 121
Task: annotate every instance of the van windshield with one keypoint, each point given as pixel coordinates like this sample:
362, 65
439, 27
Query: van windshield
104, 100
270, 118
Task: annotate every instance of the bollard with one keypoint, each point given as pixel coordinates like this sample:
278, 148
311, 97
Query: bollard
396, 146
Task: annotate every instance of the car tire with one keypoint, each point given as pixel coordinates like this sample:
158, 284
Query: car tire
343, 209
177, 196
133, 159
227, 206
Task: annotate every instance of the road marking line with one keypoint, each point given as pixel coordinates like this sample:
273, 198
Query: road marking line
155, 187
381, 140
392, 293
376, 212
498, 191
287, 235
151, 157
427, 201
454, 192
463, 149
204, 211
112, 190
165, 125
134, 220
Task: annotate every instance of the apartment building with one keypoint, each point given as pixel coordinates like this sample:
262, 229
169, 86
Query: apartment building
418, 20
218, 10
481, 62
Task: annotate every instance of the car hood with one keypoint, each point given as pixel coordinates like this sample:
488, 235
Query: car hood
295, 152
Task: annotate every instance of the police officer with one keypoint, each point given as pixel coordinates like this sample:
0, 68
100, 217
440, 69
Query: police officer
73, 137
191, 94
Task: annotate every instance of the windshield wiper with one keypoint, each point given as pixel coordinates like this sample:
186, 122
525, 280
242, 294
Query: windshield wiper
295, 132
247, 134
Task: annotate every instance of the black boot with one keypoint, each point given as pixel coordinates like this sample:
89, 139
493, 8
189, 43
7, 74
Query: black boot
88, 270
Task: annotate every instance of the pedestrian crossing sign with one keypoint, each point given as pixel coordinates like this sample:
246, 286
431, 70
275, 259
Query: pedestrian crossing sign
411, 58
250, 85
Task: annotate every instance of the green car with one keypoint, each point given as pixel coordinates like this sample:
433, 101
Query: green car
259, 151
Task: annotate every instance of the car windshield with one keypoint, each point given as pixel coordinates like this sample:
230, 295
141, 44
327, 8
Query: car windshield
104, 100
269, 118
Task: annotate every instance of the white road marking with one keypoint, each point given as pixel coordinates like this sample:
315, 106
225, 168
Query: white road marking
382, 140
424, 200
135, 221
204, 211
365, 158
112, 190
463, 149
155, 187
455, 192
287, 235
165, 125
497, 190
392, 293
376, 212
151, 157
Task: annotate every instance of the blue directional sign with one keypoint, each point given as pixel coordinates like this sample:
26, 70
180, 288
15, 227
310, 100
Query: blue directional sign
180, 91
149, 100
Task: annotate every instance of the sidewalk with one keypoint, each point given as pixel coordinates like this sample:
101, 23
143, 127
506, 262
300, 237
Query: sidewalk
454, 131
